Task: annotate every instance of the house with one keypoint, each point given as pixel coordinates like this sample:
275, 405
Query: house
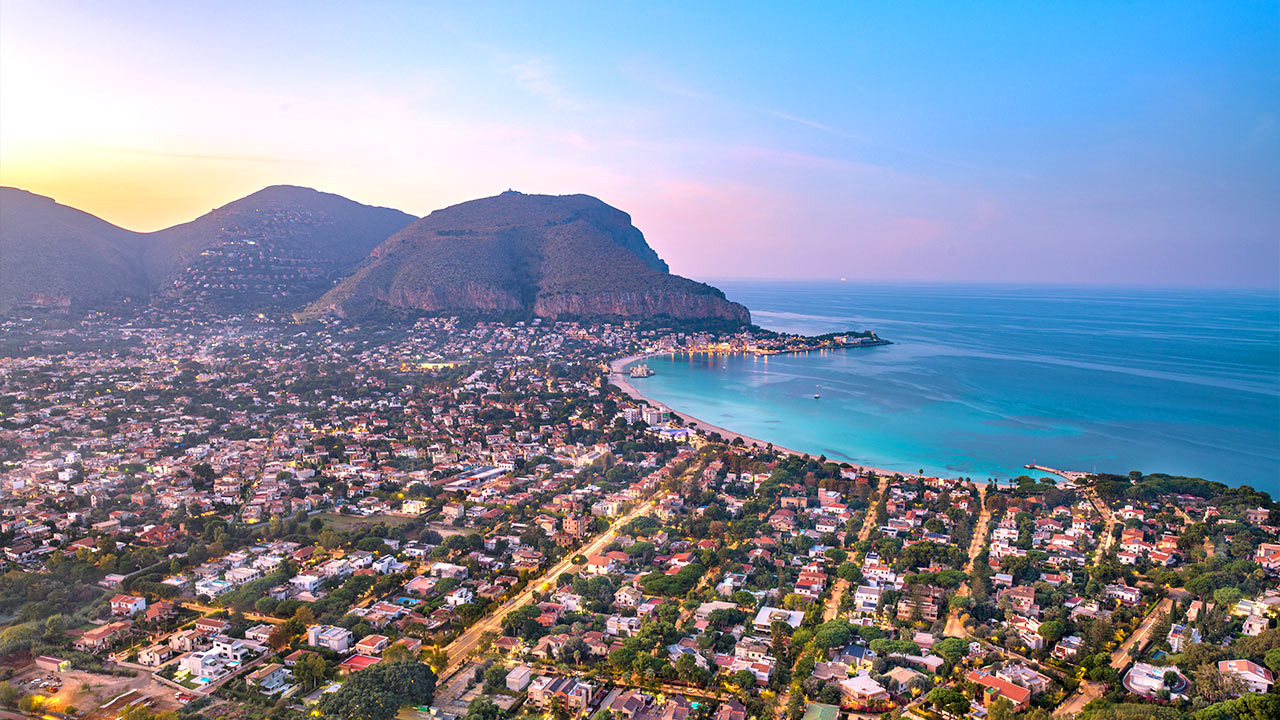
269, 678
1255, 625
103, 636
460, 596
1180, 635
212, 626
161, 610
186, 640
867, 599
925, 603
155, 655
259, 633
329, 637
1068, 647
859, 690
372, 644
994, 688
1256, 678
574, 693
767, 616
127, 604
628, 597
601, 565
1147, 680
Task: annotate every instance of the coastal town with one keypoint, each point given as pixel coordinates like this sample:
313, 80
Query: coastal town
252, 517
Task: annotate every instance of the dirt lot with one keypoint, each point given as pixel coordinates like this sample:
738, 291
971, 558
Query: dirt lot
87, 691
343, 523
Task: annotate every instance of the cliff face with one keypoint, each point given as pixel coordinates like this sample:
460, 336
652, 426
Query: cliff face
551, 256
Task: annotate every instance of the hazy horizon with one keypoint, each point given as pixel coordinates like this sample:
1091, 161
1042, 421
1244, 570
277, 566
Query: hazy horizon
1089, 144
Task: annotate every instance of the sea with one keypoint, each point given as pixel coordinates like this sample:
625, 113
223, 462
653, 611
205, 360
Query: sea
982, 380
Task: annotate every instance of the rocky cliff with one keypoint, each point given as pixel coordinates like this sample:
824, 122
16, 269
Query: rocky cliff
549, 256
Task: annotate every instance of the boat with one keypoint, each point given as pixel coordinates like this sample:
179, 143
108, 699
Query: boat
816, 396
641, 371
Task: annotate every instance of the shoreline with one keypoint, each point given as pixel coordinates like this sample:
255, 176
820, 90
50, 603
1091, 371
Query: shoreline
618, 376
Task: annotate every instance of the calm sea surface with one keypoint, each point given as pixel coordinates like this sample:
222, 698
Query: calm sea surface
984, 379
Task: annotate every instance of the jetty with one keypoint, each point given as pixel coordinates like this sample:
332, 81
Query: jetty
1072, 475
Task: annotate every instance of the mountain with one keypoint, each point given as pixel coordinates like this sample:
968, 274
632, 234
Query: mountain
51, 254
282, 246
549, 256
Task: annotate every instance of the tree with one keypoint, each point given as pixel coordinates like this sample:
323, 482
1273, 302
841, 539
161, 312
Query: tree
1227, 596
437, 658
310, 669
398, 652
482, 708
378, 692
949, 701
1052, 630
304, 616
8, 694
278, 638
951, 649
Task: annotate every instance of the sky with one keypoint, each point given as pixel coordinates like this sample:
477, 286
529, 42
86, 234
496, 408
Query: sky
1056, 142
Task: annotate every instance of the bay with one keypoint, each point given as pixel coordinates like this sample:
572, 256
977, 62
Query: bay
982, 379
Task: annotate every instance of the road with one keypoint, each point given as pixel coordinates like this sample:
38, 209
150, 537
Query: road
471, 638
954, 627
1119, 661
1140, 638
869, 521
833, 603
1107, 516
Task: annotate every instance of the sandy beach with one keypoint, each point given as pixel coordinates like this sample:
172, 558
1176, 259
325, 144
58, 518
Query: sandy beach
618, 376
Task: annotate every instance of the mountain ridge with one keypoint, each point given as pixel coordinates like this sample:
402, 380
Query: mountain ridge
543, 255
300, 250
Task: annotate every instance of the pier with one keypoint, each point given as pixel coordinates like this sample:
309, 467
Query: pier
1072, 475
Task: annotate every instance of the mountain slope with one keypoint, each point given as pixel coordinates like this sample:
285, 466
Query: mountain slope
282, 246
550, 256
51, 254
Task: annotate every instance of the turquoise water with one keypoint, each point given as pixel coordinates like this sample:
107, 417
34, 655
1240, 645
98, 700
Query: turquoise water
984, 379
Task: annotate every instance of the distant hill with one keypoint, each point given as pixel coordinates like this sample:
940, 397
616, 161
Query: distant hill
51, 254
548, 256
280, 247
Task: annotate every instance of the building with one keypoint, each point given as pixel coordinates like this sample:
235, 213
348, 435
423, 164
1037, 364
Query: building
994, 688
103, 636
574, 693
769, 615
155, 655
923, 603
1256, 678
518, 678
329, 637
1180, 635
269, 678
127, 604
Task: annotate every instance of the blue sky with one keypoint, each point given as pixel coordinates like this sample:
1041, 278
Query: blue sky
1131, 143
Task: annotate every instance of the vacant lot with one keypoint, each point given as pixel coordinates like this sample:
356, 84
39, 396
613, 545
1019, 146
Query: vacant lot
88, 691
343, 523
